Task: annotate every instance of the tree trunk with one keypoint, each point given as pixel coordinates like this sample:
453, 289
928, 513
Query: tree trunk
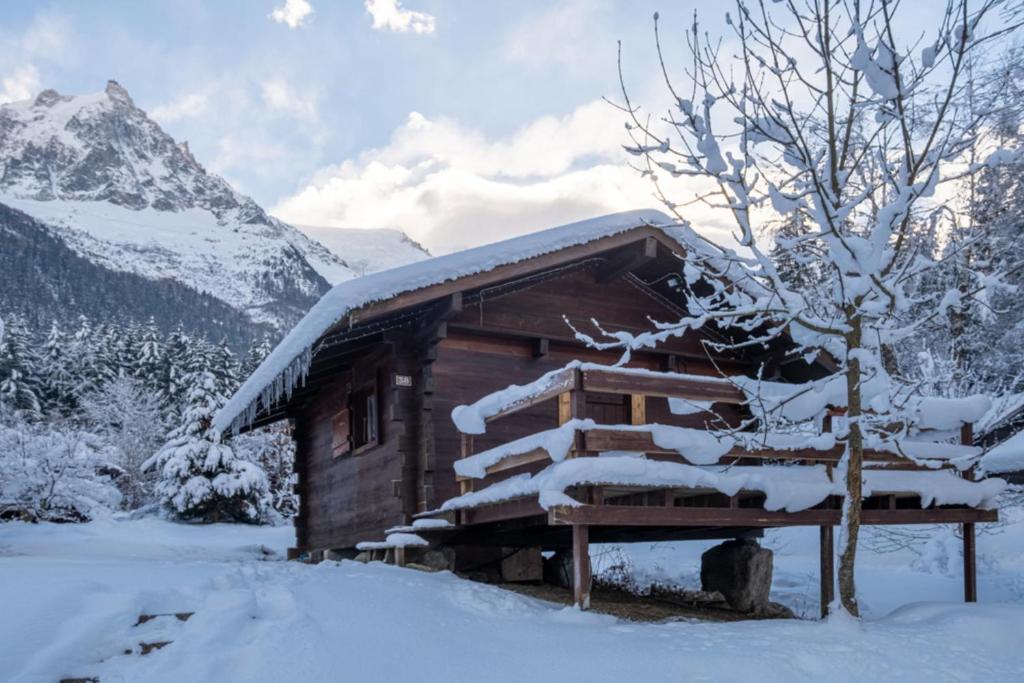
854, 462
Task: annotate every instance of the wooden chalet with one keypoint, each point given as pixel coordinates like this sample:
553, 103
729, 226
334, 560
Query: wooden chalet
370, 379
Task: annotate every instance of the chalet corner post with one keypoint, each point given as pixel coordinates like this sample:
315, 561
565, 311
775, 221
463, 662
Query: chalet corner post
581, 565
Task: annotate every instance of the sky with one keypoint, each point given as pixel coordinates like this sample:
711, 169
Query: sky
459, 122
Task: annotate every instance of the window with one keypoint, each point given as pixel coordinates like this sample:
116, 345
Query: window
356, 425
364, 417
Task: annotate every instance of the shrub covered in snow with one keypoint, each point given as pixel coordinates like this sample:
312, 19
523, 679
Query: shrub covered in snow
54, 473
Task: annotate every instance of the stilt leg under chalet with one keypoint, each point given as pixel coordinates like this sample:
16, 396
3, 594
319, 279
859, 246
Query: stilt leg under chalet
970, 564
827, 574
581, 565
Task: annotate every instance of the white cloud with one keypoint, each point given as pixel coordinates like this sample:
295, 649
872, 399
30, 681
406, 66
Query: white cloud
391, 16
451, 187
565, 33
281, 97
46, 40
21, 83
292, 12
187, 106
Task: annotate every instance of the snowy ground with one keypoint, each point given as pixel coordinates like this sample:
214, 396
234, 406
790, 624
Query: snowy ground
72, 593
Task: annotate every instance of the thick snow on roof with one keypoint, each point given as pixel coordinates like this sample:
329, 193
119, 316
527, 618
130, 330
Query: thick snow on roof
287, 364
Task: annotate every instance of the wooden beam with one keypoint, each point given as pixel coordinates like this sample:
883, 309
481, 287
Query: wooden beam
625, 440
690, 387
629, 515
540, 347
581, 566
827, 568
563, 382
499, 512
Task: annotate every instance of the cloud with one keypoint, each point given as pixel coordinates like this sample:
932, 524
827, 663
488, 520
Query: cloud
292, 12
46, 40
451, 187
565, 33
187, 106
21, 83
389, 15
281, 97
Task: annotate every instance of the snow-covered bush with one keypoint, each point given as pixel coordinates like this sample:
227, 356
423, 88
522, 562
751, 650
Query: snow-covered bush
54, 473
128, 417
201, 477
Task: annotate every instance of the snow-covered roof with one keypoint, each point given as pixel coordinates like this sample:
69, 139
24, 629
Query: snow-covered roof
287, 365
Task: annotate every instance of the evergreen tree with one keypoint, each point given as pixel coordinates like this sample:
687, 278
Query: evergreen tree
148, 357
56, 373
20, 387
175, 365
202, 478
259, 349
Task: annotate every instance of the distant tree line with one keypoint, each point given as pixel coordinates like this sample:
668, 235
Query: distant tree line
117, 417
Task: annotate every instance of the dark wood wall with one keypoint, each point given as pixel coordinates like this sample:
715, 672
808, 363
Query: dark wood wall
352, 497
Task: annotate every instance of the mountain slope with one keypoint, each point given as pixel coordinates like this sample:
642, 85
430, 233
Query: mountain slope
46, 281
122, 193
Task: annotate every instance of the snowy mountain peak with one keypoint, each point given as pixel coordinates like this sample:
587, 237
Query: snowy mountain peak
101, 147
117, 93
117, 189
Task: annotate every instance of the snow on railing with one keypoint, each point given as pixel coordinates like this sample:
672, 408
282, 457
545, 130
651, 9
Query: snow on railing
594, 377
785, 488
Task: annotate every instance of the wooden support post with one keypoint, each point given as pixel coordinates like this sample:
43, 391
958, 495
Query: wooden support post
970, 565
827, 573
400, 556
581, 565
637, 409
466, 485
967, 531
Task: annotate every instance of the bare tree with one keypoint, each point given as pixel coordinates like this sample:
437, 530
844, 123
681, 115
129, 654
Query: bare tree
815, 110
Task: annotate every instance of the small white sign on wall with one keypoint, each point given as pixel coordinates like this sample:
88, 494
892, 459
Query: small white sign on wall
403, 380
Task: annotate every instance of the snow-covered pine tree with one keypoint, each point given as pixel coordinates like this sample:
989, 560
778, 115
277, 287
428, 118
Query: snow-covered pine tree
224, 368
258, 350
820, 111
56, 374
201, 478
148, 358
174, 367
20, 385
